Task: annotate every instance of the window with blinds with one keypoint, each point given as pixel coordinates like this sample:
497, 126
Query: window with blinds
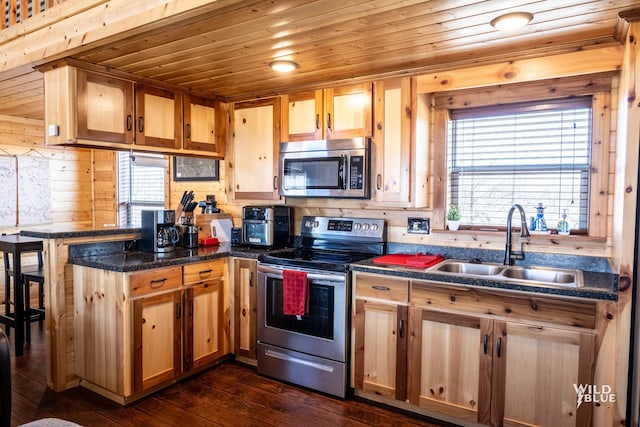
528, 153
140, 185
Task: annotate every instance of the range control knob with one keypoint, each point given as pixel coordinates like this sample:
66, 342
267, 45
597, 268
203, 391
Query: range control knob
365, 227
374, 227
356, 226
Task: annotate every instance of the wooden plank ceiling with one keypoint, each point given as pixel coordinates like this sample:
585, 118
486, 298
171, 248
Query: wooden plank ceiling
226, 53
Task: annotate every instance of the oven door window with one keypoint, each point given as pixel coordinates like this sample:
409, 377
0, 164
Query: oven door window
318, 173
318, 322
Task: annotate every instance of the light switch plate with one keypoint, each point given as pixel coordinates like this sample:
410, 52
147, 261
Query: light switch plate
418, 226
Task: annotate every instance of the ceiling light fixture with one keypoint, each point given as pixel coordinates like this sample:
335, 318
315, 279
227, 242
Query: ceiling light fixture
511, 21
283, 66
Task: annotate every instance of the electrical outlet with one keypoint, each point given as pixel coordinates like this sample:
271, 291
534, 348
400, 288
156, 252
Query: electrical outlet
418, 225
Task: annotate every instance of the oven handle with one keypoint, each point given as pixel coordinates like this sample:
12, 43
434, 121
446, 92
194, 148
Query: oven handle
276, 273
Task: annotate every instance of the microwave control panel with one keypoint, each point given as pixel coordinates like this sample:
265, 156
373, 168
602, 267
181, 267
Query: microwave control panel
356, 173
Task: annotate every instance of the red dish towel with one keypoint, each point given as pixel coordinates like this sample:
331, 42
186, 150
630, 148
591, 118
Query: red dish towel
295, 293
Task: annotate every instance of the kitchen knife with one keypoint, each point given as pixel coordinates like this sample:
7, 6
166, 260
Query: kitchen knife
180, 208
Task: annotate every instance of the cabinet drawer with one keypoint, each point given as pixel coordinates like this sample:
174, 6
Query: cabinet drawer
204, 271
155, 280
382, 287
504, 304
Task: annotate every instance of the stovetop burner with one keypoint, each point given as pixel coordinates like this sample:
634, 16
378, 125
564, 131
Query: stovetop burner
314, 258
332, 244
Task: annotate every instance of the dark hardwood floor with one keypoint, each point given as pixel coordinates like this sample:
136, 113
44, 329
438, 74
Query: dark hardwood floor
231, 394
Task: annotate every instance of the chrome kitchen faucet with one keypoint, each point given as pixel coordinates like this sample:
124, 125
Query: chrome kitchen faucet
509, 255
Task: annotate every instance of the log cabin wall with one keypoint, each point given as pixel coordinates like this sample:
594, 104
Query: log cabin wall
71, 175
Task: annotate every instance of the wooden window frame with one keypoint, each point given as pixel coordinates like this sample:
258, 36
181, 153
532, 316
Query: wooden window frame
597, 85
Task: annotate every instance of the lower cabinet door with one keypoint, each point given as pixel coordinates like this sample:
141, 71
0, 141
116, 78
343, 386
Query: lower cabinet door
535, 375
450, 364
204, 324
157, 339
245, 274
381, 348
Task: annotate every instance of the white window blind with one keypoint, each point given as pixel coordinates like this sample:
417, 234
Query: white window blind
140, 185
528, 153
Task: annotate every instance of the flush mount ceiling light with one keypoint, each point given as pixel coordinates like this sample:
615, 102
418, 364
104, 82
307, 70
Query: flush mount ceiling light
283, 66
511, 21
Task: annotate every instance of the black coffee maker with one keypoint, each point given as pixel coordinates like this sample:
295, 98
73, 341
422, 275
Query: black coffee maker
159, 233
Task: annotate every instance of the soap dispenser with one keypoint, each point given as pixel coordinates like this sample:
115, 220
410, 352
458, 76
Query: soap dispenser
540, 225
563, 225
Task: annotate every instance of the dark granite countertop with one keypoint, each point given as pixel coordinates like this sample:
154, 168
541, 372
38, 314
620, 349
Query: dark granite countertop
126, 261
60, 232
597, 285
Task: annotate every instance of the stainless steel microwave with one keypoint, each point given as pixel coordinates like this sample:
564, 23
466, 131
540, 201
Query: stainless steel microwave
327, 168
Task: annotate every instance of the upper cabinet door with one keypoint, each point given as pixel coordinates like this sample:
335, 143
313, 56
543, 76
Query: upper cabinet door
399, 155
158, 118
348, 111
343, 112
204, 125
253, 170
302, 116
105, 108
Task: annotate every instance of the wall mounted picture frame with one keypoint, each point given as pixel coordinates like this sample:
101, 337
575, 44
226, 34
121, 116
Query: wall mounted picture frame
195, 169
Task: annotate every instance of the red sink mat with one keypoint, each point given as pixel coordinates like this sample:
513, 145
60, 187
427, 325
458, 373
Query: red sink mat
411, 260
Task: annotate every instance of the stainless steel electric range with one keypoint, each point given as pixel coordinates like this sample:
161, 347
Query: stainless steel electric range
312, 349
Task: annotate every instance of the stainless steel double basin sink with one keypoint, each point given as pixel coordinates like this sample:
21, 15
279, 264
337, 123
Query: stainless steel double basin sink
535, 276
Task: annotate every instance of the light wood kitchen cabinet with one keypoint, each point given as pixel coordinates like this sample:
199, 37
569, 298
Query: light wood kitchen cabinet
87, 108
253, 168
380, 335
90, 108
204, 306
476, 355
105, 108
205, 125
143, 330
158, 117
128, 329
445, 364
340, 112
245, 273
156, 323
399, 152
482, 368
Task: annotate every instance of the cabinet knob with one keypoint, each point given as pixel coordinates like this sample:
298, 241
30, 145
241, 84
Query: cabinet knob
140, 124
129, 122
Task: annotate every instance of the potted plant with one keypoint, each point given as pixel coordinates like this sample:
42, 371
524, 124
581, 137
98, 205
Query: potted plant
453, 217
